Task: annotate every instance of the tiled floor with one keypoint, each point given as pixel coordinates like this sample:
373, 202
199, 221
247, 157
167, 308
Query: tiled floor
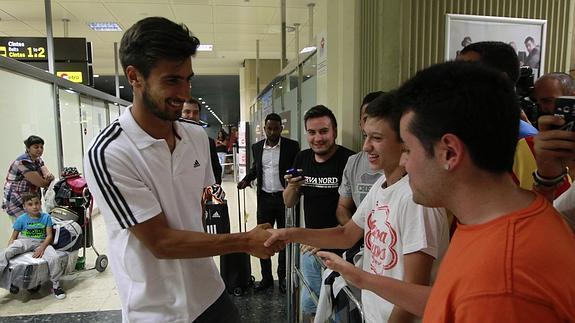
90, 291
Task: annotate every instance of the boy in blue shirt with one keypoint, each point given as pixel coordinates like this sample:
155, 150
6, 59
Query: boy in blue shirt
33, 232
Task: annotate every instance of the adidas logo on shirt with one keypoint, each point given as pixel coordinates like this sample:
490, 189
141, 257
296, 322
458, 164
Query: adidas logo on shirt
196, 164
216, 215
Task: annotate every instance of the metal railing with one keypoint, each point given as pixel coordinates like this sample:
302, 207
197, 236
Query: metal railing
295, 278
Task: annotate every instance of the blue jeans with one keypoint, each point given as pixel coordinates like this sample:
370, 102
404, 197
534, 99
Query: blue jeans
311, 271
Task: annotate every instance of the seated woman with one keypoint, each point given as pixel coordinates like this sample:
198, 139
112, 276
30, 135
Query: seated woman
26, 174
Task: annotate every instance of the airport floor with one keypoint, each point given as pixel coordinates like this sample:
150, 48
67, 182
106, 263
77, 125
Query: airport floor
93, 296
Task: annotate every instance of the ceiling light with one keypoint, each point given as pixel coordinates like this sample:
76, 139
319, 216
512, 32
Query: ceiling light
200, 99
307, 49
121, 86
203, 102
96, 75
207, 106
205, 48
105, 26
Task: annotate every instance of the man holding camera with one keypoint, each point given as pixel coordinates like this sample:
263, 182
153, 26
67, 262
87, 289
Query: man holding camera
549, 87
322, 168
272, 157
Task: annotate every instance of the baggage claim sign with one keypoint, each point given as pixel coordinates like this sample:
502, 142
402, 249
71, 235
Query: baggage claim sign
70, 55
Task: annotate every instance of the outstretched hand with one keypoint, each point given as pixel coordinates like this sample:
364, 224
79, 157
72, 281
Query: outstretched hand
257, 237
346, 269
277, 236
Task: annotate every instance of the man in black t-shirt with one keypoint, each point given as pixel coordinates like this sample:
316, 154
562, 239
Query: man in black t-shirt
322, 167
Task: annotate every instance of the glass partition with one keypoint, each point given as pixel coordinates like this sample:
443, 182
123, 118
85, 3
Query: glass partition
26, 108
72, 145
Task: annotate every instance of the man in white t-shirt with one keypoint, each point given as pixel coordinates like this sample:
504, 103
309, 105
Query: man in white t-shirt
147, 171
403, 240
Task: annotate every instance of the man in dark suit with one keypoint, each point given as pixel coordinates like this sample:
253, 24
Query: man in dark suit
273, 156
191, 111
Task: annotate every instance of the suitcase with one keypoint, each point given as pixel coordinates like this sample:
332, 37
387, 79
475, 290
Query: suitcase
235, 268
26, 272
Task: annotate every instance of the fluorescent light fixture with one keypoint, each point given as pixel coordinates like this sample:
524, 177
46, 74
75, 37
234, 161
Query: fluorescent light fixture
96, 75
205, 48
307, 49
207, 106
121, 86
105, 26
203, 102
200, 99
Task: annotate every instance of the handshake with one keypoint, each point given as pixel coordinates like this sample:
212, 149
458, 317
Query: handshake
264, 242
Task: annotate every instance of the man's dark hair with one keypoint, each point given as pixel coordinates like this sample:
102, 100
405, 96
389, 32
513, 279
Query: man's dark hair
196, 102
28, 196
33, 140
529, 38
370, 97
153, 39
317, 112
273, 117
469, 100
385, 107
498, 55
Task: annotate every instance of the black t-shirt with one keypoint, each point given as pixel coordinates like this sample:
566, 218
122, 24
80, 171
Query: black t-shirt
320, 188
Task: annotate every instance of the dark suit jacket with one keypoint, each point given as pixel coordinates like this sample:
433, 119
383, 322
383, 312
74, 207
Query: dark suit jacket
288, 149
216, 167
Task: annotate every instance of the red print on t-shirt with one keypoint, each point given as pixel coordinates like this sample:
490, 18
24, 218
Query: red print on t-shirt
381, 239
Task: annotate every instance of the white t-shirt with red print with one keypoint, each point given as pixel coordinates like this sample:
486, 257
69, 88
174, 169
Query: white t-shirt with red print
394, 226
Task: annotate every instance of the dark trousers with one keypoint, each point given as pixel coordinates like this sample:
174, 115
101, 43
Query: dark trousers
271, 209
223, 310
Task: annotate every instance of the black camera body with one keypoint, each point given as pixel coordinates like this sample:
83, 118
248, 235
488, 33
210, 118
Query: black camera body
565, 108
524, 90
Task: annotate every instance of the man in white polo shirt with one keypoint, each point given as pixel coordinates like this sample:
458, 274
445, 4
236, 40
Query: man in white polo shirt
147, 171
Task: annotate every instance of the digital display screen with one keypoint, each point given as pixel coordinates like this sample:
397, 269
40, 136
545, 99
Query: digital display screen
35, 49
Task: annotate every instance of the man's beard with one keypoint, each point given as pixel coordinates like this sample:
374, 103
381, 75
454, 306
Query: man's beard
154, 108
324, 151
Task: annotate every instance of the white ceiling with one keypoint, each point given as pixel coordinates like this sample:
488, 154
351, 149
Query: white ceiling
232, 26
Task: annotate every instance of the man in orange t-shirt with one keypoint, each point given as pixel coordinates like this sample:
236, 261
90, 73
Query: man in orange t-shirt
512, 258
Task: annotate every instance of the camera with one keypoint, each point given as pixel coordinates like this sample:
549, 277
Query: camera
565, 108
294, 172
524, 90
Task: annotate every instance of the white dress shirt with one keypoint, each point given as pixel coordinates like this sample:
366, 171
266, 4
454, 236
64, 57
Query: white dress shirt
271, 168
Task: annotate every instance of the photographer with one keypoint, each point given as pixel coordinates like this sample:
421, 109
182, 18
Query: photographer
555, 150
550, 86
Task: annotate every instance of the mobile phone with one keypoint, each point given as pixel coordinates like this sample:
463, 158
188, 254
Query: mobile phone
565, 108
294, 172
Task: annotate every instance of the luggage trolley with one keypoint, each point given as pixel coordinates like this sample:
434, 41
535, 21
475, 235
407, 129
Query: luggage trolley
79, 209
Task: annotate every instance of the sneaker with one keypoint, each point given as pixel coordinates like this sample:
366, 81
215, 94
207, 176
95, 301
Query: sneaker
59, 293
14, 289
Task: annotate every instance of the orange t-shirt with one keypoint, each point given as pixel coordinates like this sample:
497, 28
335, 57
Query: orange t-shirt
517, 268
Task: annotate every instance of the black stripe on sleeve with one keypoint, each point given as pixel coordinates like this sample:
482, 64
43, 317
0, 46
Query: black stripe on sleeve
110, 191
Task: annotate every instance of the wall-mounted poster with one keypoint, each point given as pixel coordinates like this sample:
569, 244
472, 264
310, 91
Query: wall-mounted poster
526, 36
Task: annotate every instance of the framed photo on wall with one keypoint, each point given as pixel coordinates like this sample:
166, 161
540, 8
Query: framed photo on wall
526, 36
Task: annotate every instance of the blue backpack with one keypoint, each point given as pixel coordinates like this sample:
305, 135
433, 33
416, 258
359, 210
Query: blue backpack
67, 235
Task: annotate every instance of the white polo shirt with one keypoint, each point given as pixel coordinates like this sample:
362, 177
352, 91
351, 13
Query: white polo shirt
133, 177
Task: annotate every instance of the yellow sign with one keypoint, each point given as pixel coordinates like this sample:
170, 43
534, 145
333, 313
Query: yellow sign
3, 51
75, 77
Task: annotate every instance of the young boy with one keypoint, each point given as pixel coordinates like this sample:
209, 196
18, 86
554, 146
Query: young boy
33, 232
